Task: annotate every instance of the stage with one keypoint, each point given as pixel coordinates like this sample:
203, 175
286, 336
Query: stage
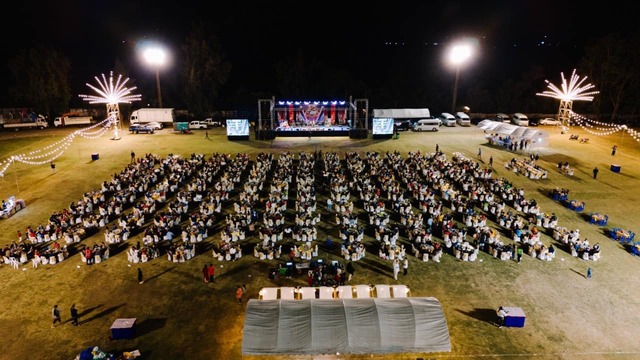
308, 131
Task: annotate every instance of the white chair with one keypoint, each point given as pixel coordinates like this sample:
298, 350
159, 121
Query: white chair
383, 291
287, 293
326, 292
345, 292
363, 291
400, 291
307, 292
268, 293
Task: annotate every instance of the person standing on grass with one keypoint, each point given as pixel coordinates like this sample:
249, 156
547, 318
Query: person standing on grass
205, 273
206, 135
140, 277
74, 315
239, 294
589, 273
396, 268
613, 150
491, 161
212, 272
133, 157
595, 172
479, 153
55, 314
405, 265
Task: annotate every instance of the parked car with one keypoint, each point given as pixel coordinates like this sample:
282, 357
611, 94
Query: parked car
534, 122
141, 128
155, 125
213, 123
550, 121
197, 124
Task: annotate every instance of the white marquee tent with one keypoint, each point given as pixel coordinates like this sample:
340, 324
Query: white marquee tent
402, 113
358, 326
538, 138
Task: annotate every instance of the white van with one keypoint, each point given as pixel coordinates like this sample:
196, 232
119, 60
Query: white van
502, 117
427, 125
520, 119
447, 119
463, 119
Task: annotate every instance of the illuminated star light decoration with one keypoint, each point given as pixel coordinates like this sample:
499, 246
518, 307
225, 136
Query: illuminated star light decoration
574, 90
112, 93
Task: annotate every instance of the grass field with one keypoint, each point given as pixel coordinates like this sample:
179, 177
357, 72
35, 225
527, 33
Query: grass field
181, 317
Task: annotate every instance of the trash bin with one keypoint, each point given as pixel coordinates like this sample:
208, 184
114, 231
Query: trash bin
95, 156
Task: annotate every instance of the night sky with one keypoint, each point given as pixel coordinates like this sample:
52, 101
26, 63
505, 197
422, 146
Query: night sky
362, 40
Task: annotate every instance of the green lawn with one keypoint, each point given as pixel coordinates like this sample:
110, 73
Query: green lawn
181, 317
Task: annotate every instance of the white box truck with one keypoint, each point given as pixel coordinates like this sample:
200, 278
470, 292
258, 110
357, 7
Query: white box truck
72, 120
165, 116
39, 124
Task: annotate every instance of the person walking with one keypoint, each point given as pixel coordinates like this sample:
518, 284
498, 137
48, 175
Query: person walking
206, 135
396, 268
205, 273
239, 294
133, 157
479, 153
140, 277
74, 314
614, 149
405, 265
501, 313
520, 252
55, 314
350, 270
212, 272
589, 273
491, 161
437, 148
53, 166
595, 172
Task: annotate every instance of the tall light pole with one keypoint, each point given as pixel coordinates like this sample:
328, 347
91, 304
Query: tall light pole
458, 55
156, 56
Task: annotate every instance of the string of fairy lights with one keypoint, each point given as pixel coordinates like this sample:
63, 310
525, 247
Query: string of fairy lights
109, 92
51, 152
599, 128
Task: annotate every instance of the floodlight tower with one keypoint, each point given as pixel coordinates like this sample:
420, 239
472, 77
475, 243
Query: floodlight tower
112, 94
572, 91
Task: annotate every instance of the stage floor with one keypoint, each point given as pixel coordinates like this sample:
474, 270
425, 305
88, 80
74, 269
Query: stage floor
309, 131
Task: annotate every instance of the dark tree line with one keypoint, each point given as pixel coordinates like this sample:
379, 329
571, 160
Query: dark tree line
202, 81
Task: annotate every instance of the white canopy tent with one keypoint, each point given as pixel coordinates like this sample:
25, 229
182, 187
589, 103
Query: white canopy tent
402, 113
358, 326
538, 138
